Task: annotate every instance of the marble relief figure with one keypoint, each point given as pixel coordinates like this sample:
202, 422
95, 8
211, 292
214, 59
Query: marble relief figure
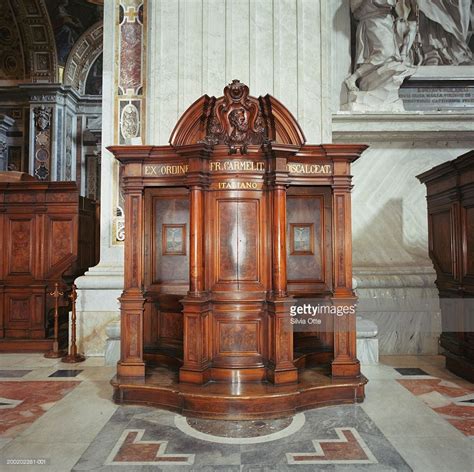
393, 37
444, 30
379, 66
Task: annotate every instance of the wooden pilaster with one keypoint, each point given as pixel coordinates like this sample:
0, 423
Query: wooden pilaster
281, 367
132, 301
196, 311
345, 363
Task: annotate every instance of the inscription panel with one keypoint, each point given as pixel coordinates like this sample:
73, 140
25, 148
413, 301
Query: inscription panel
437, 98
236, 165
302, 168
160, 170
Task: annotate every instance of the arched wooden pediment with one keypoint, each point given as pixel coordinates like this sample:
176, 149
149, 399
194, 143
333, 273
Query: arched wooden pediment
237, 120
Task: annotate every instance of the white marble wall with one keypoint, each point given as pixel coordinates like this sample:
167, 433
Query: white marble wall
279, 47
395, 277
98, 290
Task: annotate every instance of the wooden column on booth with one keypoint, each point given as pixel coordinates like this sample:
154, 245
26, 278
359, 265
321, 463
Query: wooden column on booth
132, 301
281, 368
196, 318
345, 363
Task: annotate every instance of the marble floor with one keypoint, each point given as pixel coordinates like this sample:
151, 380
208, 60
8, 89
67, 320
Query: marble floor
57, 417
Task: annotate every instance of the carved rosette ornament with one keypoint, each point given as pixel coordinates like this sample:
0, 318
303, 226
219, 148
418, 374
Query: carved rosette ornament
235, 120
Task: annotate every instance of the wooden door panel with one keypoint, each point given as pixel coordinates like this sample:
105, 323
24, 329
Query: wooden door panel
167, 240
238, 237
308, 241
248, 241
227, 237
441, 243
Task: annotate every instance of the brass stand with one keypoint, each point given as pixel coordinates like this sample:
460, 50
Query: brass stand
55, 352
73, 356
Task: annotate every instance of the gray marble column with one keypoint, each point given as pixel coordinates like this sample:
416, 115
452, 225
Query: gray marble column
5, 124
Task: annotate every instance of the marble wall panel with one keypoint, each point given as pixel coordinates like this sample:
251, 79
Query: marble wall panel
276, 47
394, 274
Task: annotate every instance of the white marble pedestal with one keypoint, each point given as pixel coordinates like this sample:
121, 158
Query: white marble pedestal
367, 342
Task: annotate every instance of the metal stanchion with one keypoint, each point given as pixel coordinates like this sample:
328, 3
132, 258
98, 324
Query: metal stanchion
56, 352
73, 355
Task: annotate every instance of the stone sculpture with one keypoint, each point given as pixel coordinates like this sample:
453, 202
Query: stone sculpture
444, 29
393, 37
380, 67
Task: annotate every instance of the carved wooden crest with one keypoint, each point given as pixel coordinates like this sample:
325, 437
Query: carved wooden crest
235, 119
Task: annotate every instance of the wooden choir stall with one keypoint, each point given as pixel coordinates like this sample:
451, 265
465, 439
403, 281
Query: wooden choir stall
225, 228
49, 234
450, 198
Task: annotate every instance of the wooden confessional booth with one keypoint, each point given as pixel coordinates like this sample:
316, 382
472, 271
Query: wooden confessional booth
225, 227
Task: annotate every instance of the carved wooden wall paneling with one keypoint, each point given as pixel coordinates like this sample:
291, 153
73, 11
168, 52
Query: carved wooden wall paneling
49, 232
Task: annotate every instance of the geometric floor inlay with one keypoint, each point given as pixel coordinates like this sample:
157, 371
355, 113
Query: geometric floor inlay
7, 403
132, 450
349, 448
24, 402
451, 401
14, 374
144, 438
66, 373
410, 371
240, 432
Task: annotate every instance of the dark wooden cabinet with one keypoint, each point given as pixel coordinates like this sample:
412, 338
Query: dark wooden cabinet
48, 234
450, 195
224, 228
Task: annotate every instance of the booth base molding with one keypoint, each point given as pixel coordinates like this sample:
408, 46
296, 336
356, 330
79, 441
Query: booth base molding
242, 401
28, 345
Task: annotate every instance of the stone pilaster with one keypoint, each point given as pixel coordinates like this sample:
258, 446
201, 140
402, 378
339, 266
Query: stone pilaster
5, 124
123, 122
